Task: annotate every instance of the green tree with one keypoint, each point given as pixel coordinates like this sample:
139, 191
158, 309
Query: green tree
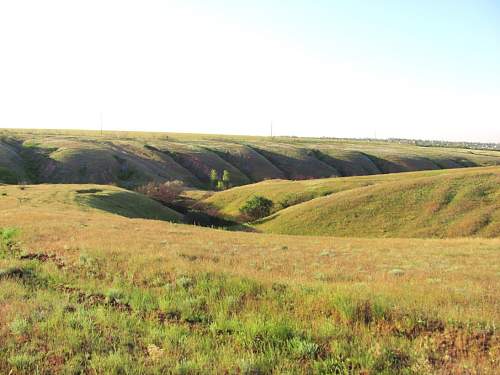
257, 207
226, 179
214, 179
220, 185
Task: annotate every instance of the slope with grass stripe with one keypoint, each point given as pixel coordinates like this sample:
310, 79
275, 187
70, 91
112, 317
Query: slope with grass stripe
132, 159
247, 160
460, 203
296, 163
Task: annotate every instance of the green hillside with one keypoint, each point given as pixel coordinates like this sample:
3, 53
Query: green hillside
452, 204
131, 159
61, 198
285, 193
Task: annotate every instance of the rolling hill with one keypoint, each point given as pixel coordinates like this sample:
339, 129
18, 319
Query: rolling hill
285, 193
88, 198
457, 203
131, 159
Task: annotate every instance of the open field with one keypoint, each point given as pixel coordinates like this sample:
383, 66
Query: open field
131, 159
85, 290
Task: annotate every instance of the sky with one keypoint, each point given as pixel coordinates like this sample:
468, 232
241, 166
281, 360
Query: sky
422, 69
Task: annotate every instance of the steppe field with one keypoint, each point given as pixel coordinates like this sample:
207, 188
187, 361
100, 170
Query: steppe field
374, 257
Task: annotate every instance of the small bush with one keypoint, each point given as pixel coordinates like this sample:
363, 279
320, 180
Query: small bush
165, 193
90, 265
303, 349
115, 296
20, 273
257, 207
19, 326
23, 362
392, 360
7, 239
332, 366
256, 366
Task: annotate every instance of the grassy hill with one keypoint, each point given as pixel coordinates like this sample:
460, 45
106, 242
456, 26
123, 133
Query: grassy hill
131, 159
285, 193
86, 291
453, 203
63, 198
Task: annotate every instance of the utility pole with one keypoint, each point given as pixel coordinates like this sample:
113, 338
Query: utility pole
271, 128
102, 122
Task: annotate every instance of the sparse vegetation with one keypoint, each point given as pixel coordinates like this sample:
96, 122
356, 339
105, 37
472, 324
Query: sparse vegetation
166, 192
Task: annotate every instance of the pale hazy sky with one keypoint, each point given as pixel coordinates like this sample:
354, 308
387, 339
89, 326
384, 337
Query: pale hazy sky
412, 69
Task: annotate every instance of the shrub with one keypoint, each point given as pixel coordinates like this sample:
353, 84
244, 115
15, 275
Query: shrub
23, 362
257, 207
7, 243
19, 326
165, 193
303, 349
392, 361
333, 366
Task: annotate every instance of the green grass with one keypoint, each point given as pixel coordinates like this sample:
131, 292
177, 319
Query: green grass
286, 193
455, 204
103, 321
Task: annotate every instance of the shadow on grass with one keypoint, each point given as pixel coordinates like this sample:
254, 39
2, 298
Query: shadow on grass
128, 204
206, 215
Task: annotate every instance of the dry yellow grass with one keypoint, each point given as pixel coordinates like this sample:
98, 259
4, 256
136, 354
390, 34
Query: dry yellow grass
450, 281
456, 277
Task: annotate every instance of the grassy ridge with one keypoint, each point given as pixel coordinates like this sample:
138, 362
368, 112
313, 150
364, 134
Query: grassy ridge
85, 291
64, 198
286, 193
130, 159
450, 204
